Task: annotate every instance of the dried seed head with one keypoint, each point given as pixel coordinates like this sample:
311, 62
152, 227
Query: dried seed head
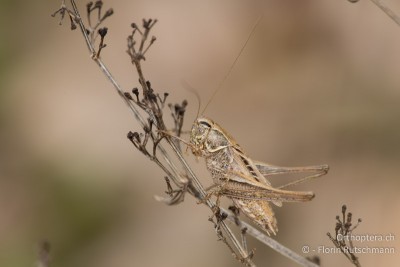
130, 136
128, 95
89, 6
98, 4
148, 83
337, 227
349, 217
108, 13
147, 23
103, 32
73, 25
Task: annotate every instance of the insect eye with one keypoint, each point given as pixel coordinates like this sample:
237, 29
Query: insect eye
205, 124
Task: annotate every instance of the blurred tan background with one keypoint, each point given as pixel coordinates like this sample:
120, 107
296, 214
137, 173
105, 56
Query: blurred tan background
318, 83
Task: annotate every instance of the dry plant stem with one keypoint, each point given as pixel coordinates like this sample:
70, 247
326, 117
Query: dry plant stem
44, 254
345, 227
211, 204
275, 245
387, 10
110, 77
197, 190
137, 115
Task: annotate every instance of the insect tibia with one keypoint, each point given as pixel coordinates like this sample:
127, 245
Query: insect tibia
268, 170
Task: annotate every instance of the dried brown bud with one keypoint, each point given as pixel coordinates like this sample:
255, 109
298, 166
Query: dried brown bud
337, 227
89, 6
98, 4
103, 32
130, 136
128, 95
349, 217
135, 91
108, 13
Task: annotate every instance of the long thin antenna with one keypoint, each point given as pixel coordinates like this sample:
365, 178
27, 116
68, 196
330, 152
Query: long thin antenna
189, 88
234, 63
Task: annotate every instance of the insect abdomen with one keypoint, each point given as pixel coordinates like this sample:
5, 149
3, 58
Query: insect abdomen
260, 212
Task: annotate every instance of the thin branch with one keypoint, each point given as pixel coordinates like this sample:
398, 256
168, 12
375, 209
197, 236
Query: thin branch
275, 245
44, 254
387, 10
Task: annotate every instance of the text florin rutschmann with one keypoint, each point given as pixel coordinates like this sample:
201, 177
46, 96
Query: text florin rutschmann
356, 250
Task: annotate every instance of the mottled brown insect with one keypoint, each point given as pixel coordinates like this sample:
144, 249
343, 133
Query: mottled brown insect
242, 179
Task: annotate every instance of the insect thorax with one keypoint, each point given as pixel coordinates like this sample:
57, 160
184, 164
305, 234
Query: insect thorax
218, 155
218, 164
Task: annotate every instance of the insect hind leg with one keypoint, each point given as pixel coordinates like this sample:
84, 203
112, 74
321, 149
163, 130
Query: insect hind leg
213, 190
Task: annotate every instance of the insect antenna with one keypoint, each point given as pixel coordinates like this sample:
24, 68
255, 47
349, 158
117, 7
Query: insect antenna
234, 63
189, 88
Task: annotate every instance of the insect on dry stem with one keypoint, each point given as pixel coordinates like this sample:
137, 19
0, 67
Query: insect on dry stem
237, 176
